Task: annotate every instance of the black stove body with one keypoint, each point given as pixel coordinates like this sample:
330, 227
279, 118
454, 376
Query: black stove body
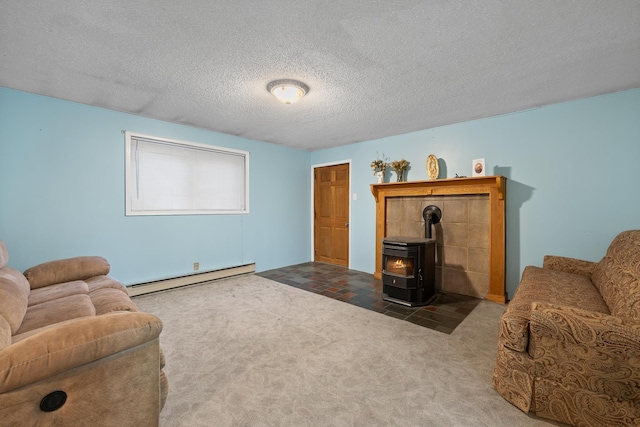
408, 270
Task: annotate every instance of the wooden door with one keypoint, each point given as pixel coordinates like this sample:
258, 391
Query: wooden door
331, 214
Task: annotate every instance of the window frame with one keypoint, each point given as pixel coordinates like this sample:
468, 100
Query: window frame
131, 181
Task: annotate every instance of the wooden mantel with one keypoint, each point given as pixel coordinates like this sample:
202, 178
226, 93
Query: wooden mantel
494, 186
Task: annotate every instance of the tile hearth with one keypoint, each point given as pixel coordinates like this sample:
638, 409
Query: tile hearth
363, 290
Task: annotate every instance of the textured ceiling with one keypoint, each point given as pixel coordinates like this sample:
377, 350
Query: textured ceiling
374, 67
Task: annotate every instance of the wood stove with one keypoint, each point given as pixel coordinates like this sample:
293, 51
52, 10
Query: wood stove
408, 270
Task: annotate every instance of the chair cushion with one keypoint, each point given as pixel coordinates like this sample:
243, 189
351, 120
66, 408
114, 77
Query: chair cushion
106, 300
61, 290
66, 270
543, 285
100, 282
617, 275
14, 297
4, 255
58, 310
5, 333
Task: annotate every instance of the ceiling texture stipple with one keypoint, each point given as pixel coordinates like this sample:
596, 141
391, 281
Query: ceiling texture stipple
374, 68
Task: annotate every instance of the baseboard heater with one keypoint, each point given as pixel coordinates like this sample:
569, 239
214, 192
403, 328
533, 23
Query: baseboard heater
190, 279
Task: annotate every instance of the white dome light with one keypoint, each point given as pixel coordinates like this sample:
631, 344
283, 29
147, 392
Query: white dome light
288, 91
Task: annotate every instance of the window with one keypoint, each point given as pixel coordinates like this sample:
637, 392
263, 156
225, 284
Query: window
165, 177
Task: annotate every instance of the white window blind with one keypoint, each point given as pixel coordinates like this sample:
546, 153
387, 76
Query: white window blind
166, 177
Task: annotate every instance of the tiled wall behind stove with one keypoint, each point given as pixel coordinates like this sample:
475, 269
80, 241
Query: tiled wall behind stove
462, 259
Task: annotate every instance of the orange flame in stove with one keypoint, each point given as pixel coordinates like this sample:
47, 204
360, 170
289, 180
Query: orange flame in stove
399, 263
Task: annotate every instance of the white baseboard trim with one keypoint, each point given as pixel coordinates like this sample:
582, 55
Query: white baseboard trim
191, 279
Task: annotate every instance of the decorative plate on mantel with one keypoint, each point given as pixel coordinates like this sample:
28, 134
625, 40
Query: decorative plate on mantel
433, 169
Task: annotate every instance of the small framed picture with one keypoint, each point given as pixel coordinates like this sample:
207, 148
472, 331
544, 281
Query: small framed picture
478, 167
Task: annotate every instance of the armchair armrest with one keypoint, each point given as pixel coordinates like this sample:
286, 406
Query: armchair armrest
569, 265
71, 344
66, 270
586, 350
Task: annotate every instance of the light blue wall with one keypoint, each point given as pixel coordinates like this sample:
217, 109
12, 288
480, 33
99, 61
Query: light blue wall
572, 169
572, 172
62, 194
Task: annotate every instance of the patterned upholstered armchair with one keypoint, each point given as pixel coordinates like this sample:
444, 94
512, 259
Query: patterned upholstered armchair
569, 345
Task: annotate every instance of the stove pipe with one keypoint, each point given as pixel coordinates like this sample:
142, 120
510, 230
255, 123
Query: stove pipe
431, 215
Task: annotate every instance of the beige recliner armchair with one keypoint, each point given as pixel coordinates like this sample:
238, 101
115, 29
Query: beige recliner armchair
74, 350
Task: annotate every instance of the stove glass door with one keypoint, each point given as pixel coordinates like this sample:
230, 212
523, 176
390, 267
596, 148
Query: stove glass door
398, 265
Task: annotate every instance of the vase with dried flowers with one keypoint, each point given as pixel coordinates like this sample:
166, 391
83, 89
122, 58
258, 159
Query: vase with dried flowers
399, 167
379, 167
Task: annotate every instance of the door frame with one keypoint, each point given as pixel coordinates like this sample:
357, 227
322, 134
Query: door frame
313, 193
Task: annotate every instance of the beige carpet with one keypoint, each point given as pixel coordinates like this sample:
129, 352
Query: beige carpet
248, 351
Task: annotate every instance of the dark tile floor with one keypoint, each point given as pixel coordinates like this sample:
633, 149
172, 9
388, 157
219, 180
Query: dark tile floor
446, 312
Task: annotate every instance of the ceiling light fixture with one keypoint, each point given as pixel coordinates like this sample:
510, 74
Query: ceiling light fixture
288, 91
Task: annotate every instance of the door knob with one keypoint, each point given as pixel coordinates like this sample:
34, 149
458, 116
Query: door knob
346, 224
